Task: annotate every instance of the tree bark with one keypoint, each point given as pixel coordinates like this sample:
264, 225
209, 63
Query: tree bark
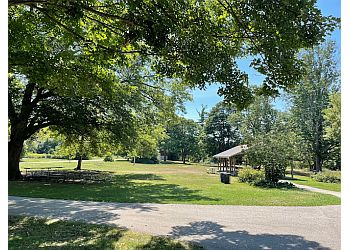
14, 154
318, 163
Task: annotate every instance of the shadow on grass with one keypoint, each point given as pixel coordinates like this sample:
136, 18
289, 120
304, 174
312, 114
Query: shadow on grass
275, 185
212, 235
129, 188
35, 233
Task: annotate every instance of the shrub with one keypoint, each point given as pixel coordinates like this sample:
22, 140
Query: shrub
250, 175
109, 158
274, 172
330, 177
146, 160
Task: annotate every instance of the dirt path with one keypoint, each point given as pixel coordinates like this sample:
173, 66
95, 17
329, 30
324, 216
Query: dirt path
213, 226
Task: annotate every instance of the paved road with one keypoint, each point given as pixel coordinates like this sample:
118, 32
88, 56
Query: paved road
213, 226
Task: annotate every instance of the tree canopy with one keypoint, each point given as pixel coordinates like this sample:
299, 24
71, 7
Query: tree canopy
197, 41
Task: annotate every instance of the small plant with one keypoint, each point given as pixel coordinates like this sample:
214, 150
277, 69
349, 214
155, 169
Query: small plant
329, 177
108, 158
250, 175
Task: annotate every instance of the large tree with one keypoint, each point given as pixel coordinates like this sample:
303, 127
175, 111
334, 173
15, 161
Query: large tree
311, 97
64, 51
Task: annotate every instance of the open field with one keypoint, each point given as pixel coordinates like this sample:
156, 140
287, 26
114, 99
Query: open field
35, 233
164, 183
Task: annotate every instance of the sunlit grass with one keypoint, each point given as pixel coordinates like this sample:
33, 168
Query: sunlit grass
165, 183
308, 181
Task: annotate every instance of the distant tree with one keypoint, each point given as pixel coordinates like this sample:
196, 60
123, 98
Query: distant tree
183, 138
311, 97
220, 135
332, 131
201, 153
257, 119
203, 115
84, 142
146, 143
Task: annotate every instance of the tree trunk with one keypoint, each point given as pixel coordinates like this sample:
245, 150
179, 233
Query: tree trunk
184, 159
80, 159
318, 163
14, 155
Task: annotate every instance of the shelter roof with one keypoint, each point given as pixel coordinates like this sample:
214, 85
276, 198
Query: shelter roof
231, 152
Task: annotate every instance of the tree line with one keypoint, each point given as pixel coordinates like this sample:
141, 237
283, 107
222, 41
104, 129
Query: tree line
307, 133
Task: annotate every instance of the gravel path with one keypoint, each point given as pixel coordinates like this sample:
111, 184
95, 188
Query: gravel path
213, 226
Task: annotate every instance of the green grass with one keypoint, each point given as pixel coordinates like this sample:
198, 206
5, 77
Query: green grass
165, 183
308, 181
35, 233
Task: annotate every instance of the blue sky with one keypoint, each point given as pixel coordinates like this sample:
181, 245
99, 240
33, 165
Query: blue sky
209, 97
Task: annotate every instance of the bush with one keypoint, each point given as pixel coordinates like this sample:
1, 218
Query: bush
250, 175
274, 172
329, 177
152, 160
108, 158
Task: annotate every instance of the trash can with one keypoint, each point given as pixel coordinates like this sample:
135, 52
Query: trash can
225, 178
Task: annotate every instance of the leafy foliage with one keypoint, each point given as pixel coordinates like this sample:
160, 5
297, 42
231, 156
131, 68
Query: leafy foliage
328, 176
195, 41
275, 150
332, 130
250, 175
256, 120
183, 138
311, 97
220, 134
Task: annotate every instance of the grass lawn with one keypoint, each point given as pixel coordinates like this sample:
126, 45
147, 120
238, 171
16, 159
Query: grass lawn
35, 233
308, 181
164, 183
